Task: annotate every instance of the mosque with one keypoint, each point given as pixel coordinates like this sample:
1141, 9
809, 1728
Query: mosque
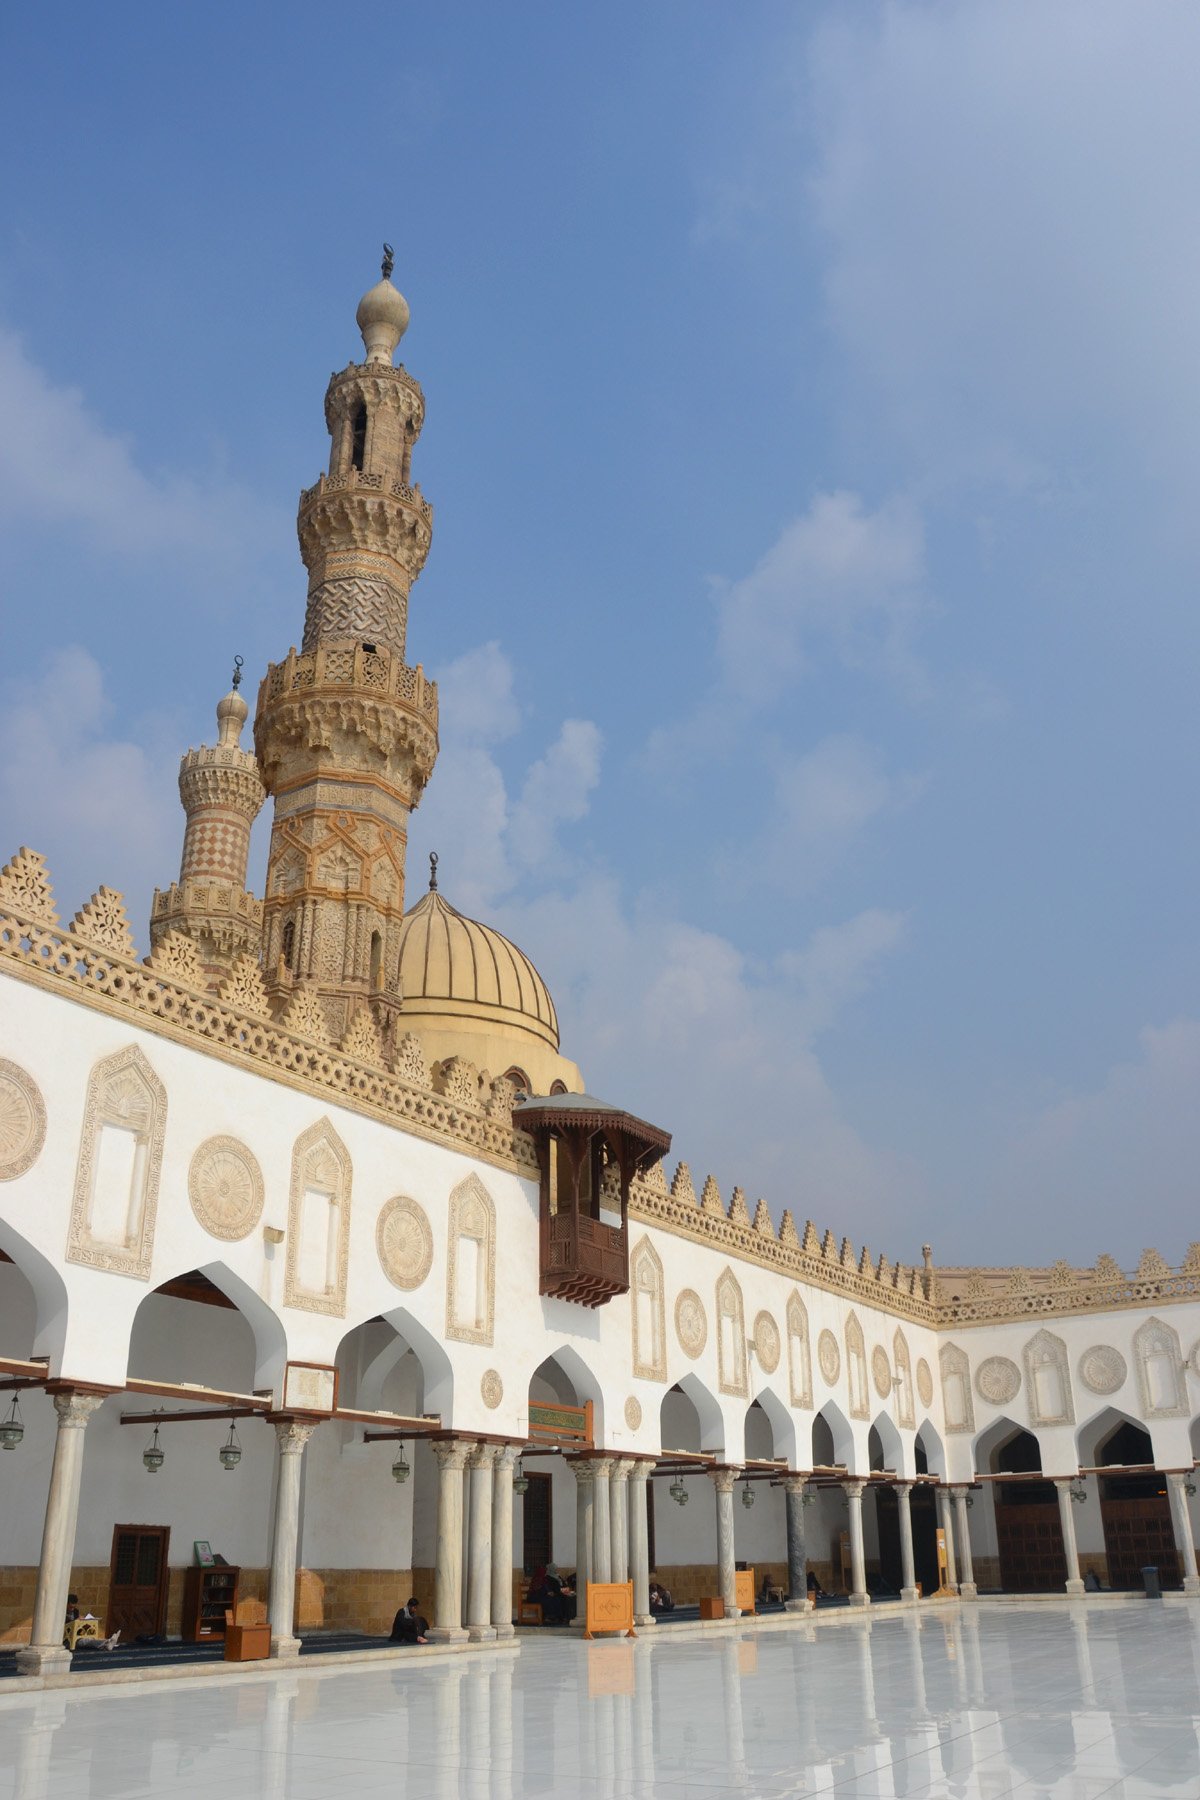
324, 1280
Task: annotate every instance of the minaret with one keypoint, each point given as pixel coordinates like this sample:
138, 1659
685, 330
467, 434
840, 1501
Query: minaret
222, 792
346, 732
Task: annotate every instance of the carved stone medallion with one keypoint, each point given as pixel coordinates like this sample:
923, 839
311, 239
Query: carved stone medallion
491, 1388
22, 1121
997, 1379
225, 1187
1102, 1369
829, 1356
633, 1412
404, 1242
767, 1343
924, 1382
691, 1323
881, 1372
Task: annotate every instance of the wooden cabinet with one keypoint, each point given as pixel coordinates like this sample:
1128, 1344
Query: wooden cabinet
208, 1593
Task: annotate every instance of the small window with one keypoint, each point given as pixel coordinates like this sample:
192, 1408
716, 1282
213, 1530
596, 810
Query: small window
358, 438
289, 942
376, 959
519, 1079
558, 1087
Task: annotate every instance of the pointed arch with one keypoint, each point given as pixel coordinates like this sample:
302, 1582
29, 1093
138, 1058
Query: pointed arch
999, 1437
890, 1448
799, 1352
957, 1404
318, 1239
703, 1416
471, 1264
856, 1369
783, 1429
1160, 1370
49, 1295
731, 1336
648, 1312
929, 1449
831, 1424
115, 1200
902, 1363
389, 1338
247, 1350
1048, 1380
564, 1364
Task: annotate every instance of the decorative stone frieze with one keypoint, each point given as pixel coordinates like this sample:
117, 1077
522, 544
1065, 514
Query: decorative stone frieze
471, 1264
997, 1380
691, 1323
1158, 1360
115, 1199
404, 1242
829, 1357
25, 888
633, 1413
767, 1343
956, 1388
648, 1312
1048, 1380
104, 923
732, 1375
856, 1369
799, 1354
318, 1239
491, 1389
225, 1187
1102, 1369
924, 1382
881, 1372
22, 1121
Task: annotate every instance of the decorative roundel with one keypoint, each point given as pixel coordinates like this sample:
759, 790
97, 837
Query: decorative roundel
1102, 1369
924, 1382
997, 1379
767, 1343
404, 1242
22, 1121
829, 1356
491, 1388
225, 1187
691, 1323
881, 1372
633, 1412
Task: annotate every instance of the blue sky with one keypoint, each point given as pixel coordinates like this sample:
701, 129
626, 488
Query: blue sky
813, 437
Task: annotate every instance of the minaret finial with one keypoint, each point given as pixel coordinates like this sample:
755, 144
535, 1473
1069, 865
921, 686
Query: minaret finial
237, 672
433, 862
389, 261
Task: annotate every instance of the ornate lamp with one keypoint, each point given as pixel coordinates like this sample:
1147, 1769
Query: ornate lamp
153, 1456
231, 1450
12, 1430
1079, 1495
747, 1495
520, 1478
678, 1492
400, 1468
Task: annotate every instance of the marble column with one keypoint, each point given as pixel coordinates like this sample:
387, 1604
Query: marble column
451, 1454
946, 1521
1066, 1518
502, 1539
1181, 1519
480, 1629
639, 1543
619, 1518
723, 1480
908, 1567
858, 1565
291, 1435
585, 1498
602, 1521
966, 1585
45, 1654
794, 1489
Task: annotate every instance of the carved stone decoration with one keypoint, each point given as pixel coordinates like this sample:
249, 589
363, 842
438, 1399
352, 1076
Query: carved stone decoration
1159, 1362
856, 1369
404, 1242
318, 1239
1048, 1380
924, 1382
732, 1375
25, 887
22, 1121
799, 1355
103, 922
691, 1323
956, 1388
881, 1372
120, 1162
306, 1016
225, 1187
1102, 1369
471, 1264
633, 1413
410, 1064
491, 1389
244, 989
905, 1410
648, 1312
767, 1343
997, 1380
829, 1357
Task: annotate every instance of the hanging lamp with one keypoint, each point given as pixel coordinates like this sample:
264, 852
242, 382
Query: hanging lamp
153, 1456
231, 1450
747, 1495
400, 1468
12, 1430
520, 1478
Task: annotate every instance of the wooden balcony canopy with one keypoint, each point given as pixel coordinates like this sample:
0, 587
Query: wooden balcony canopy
589, 1153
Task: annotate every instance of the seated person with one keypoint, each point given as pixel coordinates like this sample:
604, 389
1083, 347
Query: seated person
660, 1598
771, 1592
408, 1627
814, 1586
546, 1590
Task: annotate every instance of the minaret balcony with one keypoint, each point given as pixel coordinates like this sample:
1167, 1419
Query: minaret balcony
356, 668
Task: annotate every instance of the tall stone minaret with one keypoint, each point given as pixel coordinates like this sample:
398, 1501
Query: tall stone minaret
346, 732
222, 792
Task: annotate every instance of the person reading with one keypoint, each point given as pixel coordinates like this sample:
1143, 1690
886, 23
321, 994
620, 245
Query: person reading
408, 1627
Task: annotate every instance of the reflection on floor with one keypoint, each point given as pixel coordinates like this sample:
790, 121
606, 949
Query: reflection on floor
1063, 1701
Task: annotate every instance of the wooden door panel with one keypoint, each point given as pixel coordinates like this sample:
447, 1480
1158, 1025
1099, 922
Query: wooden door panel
1139, 1534
137, 1591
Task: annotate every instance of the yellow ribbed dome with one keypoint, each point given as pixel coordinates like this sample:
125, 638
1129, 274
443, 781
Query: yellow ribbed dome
452, 967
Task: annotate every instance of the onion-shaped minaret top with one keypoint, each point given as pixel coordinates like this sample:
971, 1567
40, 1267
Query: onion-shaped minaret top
383, 315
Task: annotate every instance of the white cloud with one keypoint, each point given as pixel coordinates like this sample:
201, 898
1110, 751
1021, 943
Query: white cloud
99, 806
838, 962
556, 792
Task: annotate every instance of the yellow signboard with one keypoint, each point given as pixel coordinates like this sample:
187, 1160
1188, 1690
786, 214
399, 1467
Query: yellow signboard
743, 1590
610, 1607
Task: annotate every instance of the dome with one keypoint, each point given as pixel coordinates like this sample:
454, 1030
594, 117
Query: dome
453, 968
382, 317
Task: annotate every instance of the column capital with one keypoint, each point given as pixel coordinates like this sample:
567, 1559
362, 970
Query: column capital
74, 1408
585, 1467
960, 1489
482, 1456
506, 1456
622, 1466
795, 1484
292, 1434
853, 1486
602, 1468
452, 1453
723, 1479
904, 1486
640, 1469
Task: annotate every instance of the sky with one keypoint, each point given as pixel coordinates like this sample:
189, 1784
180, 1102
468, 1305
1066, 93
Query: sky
813, 431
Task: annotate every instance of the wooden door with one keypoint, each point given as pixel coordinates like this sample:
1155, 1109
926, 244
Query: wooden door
137, 1581
1138, 1532
538, 1538
1029, 1538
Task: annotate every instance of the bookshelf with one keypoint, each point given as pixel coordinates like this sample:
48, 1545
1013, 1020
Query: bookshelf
208, 1593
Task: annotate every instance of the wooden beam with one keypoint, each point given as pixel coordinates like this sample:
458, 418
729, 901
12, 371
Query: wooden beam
186, 1418
192, 1390
36, 1367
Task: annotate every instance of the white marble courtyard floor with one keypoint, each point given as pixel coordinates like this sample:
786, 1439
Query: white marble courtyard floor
1069, 1701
